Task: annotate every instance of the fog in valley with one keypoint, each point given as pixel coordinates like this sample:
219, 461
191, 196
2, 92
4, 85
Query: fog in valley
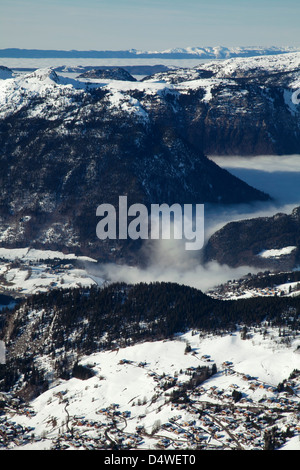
279, 176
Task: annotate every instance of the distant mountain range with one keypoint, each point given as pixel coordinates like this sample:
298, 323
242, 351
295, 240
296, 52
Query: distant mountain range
218, 52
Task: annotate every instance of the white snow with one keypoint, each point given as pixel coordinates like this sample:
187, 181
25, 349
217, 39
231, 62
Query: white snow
34, 275
236, 66
58, 91
226, 52
277, 253
292, 444
33, 254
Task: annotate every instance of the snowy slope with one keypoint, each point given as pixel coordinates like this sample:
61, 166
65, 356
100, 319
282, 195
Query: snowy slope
58, 93
240, 67
277, 253
235, 67
31, 254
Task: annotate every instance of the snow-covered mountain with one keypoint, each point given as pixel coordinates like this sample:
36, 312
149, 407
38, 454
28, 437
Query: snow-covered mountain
114, 73
222, 52
74, 144
285, 68
145, 138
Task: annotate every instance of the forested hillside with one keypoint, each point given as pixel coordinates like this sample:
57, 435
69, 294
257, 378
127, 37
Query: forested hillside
65, 324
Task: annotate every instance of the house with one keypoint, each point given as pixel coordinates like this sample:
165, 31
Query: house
227, 364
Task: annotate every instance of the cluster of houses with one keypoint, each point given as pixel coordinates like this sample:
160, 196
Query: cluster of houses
13, 434
240, 288
237, 289
210, 417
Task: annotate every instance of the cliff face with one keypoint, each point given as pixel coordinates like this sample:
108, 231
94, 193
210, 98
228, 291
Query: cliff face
264, 242
240, 106
67, 147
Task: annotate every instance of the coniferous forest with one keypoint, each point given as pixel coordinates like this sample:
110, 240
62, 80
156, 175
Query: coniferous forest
144, 311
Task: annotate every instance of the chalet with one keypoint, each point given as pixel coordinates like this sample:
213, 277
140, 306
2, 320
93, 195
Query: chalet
227, 364
205, 357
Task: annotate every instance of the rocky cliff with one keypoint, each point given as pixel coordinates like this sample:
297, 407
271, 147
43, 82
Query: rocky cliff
241, 106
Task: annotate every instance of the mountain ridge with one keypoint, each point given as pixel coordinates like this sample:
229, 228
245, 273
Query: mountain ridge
210, 52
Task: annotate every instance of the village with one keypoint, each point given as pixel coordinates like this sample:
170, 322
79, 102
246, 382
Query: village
245, 288
22, 277
247, 414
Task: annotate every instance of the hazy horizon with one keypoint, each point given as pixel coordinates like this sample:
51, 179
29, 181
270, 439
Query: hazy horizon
147, 25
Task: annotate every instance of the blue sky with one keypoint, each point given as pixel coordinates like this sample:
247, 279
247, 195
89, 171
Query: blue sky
145, 24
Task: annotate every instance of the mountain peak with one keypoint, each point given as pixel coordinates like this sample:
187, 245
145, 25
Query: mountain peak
113, 73
44, 75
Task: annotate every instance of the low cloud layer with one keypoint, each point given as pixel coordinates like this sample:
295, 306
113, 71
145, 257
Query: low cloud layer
278, 176
169, 261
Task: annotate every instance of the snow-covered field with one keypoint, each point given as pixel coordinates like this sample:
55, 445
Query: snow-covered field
28, 271
31, 254
277, 253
